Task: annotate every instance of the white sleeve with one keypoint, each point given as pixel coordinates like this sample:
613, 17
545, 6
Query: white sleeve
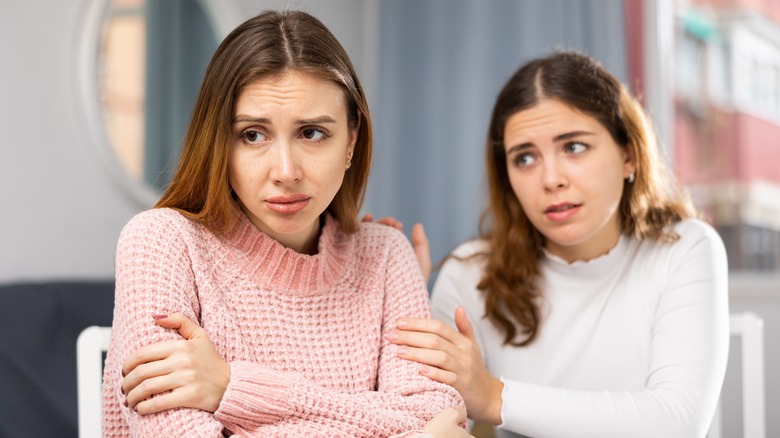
689, 349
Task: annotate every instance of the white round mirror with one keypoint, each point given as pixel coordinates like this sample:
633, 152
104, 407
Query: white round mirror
141, 63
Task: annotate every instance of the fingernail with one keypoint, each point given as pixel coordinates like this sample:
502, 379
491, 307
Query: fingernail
126, 405
424, 369
402, 351
123, 372
123, 390
159, 316
392, 335
401, 323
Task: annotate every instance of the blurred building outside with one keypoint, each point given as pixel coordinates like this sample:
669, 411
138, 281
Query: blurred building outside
726, 128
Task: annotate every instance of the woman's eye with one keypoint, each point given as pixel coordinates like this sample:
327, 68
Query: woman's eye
313, 134
576, 147
252, 136
523, 160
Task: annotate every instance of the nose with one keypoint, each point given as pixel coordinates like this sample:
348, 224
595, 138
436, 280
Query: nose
285, 169
553, 175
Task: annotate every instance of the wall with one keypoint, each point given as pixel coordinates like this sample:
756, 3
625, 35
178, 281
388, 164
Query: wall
60, 214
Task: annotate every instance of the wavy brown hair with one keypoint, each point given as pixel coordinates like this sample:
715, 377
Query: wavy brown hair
269, 44
648, 206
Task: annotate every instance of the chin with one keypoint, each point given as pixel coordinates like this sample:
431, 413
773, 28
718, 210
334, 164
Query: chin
564, 235
295, 223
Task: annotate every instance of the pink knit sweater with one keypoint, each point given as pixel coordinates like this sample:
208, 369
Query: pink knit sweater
304, 335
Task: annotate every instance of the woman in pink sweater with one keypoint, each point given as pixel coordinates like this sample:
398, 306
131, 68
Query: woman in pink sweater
251, 301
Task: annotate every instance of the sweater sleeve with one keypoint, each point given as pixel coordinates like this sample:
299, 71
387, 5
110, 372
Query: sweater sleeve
153, 276
689, 348
403, 402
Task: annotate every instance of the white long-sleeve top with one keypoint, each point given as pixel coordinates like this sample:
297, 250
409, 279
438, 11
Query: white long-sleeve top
631, 344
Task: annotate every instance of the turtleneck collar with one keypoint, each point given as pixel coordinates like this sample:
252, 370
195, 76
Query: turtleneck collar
280, 268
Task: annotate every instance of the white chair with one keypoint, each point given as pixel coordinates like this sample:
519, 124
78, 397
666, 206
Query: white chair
90, 346
750, 328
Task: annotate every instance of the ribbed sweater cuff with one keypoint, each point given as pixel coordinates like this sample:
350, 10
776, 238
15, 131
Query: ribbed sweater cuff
254, 396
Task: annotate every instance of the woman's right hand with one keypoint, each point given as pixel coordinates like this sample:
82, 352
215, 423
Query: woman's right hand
447, 423
452, 357
184, 373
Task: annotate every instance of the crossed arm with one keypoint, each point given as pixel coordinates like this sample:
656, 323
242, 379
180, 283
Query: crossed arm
189, 373
177, 378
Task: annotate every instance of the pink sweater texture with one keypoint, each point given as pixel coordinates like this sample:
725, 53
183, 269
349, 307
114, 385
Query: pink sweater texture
305, 335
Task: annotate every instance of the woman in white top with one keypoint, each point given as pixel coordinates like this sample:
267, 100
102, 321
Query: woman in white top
593, 304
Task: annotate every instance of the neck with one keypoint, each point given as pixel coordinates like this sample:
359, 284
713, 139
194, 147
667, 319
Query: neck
304, 243
593, 247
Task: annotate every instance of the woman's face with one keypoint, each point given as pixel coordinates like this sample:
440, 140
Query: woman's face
568, 174
291, 142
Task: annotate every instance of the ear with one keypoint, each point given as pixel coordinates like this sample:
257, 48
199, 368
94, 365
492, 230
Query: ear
353, 135
629, 161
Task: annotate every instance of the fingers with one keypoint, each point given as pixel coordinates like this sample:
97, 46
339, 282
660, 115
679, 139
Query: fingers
453, 414
391, 222
150, 353
145, 371
422, 249
463, 323
436, 358
149, 387
387, 221
439, 357
177, 321
161, 350
448, 423
428, 341
428, 325
171, 400
458, 412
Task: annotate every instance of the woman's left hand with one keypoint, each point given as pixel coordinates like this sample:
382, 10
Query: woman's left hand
454, 358
189, 372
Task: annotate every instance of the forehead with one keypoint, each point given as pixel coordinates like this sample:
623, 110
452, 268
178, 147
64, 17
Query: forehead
291, 90
547, 119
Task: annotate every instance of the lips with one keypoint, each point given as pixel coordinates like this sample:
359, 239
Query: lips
562, 211
287, 199
560, 207
287, 204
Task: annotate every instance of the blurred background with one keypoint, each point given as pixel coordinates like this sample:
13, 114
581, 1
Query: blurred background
95, 96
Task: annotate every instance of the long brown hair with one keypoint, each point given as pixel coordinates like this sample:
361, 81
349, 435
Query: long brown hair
271, 43
648, 207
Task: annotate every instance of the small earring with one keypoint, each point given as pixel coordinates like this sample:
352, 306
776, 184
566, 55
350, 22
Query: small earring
349, 162
631, 177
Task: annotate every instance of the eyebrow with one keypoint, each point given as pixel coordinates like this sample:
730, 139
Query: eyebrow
264, 120
556, 139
